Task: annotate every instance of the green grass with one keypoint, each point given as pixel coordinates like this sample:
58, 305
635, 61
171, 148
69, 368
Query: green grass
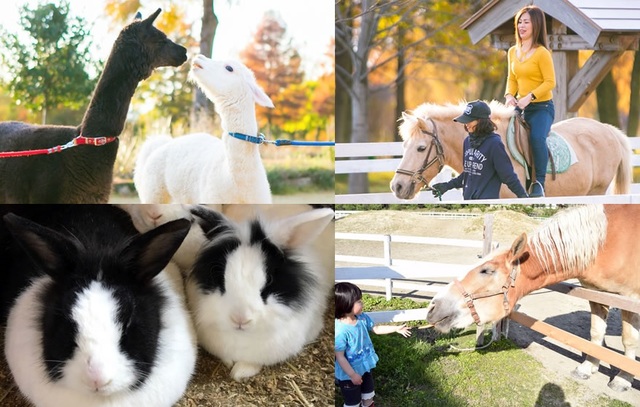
296, 180
425, 371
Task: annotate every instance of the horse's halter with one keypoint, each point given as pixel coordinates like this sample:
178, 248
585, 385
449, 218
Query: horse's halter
469, 298
416, 176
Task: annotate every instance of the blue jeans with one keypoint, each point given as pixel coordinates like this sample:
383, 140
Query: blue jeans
540, 117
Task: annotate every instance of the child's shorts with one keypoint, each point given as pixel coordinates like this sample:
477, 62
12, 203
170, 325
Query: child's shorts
352, 394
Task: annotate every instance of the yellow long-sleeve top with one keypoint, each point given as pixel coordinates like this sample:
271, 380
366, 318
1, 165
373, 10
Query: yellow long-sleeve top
535, 75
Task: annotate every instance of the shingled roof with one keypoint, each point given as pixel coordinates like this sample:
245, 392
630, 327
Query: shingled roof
587, 18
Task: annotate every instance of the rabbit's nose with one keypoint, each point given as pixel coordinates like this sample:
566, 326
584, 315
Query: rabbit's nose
240, 321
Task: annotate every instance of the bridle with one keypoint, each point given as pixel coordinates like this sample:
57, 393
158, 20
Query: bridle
416, 176
469, 298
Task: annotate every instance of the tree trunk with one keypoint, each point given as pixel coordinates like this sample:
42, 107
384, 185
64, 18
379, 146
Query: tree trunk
344, 68
359, 183
201, 105
400, 86
607, 96
634, 102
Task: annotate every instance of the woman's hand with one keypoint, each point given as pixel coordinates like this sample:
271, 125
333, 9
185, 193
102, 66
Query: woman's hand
524, 101
510, 100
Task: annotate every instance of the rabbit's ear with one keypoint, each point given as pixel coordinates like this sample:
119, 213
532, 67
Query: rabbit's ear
53, 252
301, 229
212, 222
149, 253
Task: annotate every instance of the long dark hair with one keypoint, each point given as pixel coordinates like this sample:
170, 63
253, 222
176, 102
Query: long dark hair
484, 127
538, 23
347, 295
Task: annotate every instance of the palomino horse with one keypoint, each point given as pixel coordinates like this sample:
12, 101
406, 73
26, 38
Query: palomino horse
432, 140
598, 244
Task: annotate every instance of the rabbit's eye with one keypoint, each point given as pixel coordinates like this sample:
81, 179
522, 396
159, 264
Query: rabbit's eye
229, 68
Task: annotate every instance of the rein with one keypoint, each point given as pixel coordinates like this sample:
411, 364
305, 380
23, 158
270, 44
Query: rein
416, 176
261, 139
78, 141
469, 298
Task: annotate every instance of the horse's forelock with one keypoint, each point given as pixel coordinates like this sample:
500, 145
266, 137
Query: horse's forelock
571, 239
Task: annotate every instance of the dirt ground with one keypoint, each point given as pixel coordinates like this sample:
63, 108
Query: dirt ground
563, 311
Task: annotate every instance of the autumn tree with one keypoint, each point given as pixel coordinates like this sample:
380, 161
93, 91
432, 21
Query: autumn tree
48, 65
634, 101
202, 106
388, 42
277, 66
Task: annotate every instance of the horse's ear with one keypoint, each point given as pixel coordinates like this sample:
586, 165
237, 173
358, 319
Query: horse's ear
152, 17
408, 118
518, 252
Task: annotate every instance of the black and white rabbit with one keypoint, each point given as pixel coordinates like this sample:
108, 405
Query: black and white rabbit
258, 290
148, 216
102, 320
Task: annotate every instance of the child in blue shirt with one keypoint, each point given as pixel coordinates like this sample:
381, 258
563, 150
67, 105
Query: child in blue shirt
355, 356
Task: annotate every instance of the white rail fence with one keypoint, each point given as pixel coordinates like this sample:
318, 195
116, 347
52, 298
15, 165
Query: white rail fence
357, 158
390, 273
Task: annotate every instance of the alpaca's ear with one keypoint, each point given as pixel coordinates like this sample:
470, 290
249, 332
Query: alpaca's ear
260, 96
152, 17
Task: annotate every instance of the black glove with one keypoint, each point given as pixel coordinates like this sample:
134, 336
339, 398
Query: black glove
439, 189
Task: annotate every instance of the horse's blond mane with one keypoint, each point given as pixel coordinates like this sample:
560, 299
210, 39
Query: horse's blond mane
448, 111
570, 240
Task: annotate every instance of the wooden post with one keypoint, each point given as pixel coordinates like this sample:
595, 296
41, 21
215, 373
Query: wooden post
388, 283
561, 90
487, 237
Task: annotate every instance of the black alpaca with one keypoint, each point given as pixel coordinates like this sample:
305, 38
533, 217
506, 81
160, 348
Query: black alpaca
84, 174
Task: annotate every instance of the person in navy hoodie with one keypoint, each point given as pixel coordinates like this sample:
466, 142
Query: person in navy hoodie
486, 165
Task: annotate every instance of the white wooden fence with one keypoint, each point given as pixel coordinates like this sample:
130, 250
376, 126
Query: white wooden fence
354, 158
390, 273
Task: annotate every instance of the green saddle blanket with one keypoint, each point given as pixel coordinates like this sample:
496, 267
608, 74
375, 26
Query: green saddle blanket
561, 151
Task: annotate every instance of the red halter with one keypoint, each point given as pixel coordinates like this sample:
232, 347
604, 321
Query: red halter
78, 141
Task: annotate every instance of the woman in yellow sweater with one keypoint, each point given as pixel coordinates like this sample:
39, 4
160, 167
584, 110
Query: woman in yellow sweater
530, 82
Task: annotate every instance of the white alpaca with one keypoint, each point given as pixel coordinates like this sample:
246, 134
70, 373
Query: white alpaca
199, 167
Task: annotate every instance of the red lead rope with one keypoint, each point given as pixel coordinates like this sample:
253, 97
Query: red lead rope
78, 141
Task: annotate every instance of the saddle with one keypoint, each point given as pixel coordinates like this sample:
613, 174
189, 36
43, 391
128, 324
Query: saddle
523, 147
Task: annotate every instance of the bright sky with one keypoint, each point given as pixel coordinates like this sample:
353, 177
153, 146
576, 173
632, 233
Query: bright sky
310, 24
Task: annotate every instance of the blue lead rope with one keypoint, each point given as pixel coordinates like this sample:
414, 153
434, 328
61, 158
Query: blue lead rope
260, 139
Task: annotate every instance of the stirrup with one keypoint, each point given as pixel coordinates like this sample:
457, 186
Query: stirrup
536, 190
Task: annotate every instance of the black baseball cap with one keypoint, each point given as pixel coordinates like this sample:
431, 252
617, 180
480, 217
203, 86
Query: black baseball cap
475, 110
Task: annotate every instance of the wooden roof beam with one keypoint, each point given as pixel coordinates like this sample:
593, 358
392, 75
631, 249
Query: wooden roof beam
567, 42
591, 74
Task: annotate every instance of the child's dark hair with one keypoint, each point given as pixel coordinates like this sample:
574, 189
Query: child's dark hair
484, 127
347, 295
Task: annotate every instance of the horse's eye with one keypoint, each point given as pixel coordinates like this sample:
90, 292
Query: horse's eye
487, 272
229, 68
422, 148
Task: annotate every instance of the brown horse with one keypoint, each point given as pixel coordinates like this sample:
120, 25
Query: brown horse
598, 244
432, 140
